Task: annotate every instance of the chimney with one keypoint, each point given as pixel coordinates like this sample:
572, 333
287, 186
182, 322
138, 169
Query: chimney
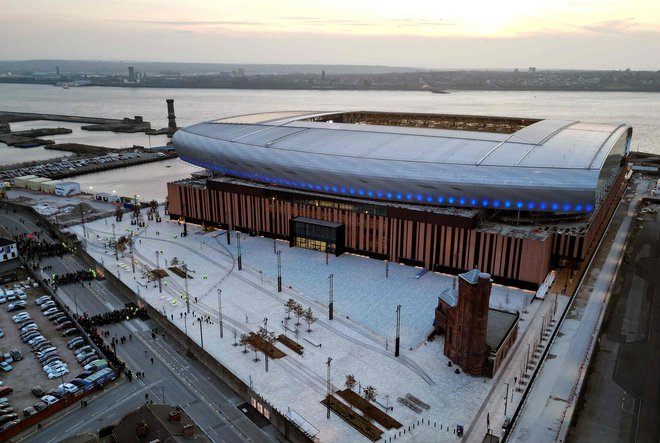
175, 416
171, 118
141, 429
188, 430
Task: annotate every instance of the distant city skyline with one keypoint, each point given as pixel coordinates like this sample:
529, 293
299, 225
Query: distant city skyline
563, 34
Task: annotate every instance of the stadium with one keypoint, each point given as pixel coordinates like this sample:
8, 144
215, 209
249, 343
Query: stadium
514, 197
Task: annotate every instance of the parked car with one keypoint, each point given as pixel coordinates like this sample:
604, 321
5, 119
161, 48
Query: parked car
43, 299
8, 417
49, 399
8, 358
74, 341
6, 410
77, 344
51, 311
43, 359
69, 332
3, 299
84, 350
21, 316
2, 333
55, 315
84, 374
64, 325
58, 373
6, 366
8, 425
83, 355
47, 305
89, 359
97, 365
54, 366
61, 319
46, 351
30, 327
40, 406
29, 411
38, 391
11, 307
69, 387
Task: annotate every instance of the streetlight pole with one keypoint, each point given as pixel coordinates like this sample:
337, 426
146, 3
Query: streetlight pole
238, 245
279, 271
185, 324
398, 330
75, 300
331, 301
387, 268
328, 389
267, 342
201, 335
185, 278
506, 398
160, 284
220, 311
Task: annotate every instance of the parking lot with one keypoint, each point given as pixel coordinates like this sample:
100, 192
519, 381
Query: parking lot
28, 372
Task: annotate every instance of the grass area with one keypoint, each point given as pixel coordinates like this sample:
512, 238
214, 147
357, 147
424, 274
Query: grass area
264, 346
353, 418
286, 341
368, 409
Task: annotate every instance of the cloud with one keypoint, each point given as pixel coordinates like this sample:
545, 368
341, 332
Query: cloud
617, 26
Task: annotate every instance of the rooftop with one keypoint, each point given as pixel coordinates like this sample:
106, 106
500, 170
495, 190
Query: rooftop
159, 427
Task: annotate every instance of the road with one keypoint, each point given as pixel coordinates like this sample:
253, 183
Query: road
210, 403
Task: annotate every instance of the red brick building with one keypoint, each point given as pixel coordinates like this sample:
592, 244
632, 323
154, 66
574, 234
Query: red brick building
477, 338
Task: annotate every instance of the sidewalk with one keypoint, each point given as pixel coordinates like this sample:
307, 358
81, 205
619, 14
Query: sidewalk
549, 407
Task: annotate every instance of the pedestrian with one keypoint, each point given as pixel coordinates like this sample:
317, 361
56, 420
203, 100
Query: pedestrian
145, 354
130, 337
152, 360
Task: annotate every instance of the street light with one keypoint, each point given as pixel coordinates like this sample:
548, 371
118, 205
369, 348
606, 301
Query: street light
328, 389
279, 271
220, 310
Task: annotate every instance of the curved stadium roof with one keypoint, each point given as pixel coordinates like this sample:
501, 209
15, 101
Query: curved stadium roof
539, 165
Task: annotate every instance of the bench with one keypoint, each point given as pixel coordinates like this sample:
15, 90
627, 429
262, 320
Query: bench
312, 342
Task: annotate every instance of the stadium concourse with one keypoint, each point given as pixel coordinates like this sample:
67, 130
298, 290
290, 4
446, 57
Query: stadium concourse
359, 339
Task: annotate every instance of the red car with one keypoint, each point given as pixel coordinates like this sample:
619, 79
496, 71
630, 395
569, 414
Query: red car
5, 390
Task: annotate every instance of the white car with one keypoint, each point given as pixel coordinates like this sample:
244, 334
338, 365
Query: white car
69, 387
54, 366
43, 299
3, 299
58, 373
49, 399
21, 317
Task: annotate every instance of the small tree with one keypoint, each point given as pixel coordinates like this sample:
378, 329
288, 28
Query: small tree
309, 318
244, 342
300, 312
289, 307
369, 393
174, 261
350, 382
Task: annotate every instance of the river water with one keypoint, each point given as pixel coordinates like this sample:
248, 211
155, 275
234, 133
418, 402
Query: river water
640, 110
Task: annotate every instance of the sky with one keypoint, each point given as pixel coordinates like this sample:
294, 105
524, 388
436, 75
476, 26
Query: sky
436, 34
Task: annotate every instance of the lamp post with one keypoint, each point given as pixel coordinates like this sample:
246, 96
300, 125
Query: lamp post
279, 271
506, 398
185, 324
185, 279
160, 284
220, 311
398, 330
328, 389
201, 334
238, 245
266, 337
331, 300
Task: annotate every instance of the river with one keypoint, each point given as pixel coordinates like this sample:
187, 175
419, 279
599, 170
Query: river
637, 109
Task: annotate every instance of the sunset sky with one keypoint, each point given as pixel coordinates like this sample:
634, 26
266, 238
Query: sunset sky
588, 34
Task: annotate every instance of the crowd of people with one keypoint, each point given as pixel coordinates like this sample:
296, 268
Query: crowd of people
114, 316
82, 275
30, 248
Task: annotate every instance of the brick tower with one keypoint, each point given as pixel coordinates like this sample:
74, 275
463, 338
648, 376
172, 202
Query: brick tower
463, 316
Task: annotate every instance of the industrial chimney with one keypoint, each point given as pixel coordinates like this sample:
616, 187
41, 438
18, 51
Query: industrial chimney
171, 118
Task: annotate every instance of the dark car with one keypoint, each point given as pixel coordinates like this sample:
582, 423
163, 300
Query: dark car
16, 354
69, 332
65, 325
8, 417
84, 374
57, 393
89, 359
5, 390
40, 406
38, 391
60, 319
45, 357
6, 410
8, 425
29, 411
56, 315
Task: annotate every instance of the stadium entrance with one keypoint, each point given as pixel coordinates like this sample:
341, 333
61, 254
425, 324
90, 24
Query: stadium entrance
317, 235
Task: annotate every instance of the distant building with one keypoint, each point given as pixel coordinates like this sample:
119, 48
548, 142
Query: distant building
477, 338
532, 69
131, 74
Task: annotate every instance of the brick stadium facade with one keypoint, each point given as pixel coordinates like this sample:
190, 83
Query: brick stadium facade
437, 240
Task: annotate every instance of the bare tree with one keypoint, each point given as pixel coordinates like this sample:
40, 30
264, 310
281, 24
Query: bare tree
174, 261
289, 307
309, 318
369, 393
300, 312
243, 341
350, 382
